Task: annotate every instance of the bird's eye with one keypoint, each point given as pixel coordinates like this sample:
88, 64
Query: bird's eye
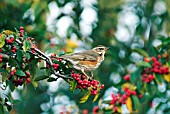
101, 48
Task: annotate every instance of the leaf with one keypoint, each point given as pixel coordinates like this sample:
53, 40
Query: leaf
158, 78
51, 79
129, 104
136, 103
28, 56
60, 53
15, 101
11, 86
135, 76
85, 97
1, 109
32, 66
96, 96
41, 78
3, 70
34, 84
166, 77
26, 45
144, 64
129, 85
2, 40
140, 51
20, 73
12, 61
19, 55
73, 85
5, 76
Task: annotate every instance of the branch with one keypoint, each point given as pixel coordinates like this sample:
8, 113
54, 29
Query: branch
41, 55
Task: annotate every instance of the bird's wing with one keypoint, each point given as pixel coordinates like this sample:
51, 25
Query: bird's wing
85, 55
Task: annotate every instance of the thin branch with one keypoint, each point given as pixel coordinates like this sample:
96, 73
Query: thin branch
4, 55
41, 55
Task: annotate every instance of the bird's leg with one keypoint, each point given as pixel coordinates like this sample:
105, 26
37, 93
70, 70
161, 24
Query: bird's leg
82, 70
91, 74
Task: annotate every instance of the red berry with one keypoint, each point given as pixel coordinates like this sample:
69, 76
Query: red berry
27, 74
140, 95
102, 86
12, 73
95, 109
0, 56
115, 109
85, 111
127, 77
154, 59
146, 59
28, 80
0, 60
151, 77
133, 92
13, 51
83, 76
12, 39
159, 56
9, 41
21, 28
14, 48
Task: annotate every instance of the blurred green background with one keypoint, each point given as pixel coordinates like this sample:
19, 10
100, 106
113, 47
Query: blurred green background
75, 25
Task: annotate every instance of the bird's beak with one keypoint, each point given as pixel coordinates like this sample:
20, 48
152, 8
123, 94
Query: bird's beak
107, 48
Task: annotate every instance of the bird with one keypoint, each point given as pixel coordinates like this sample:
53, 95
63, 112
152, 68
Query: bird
88, 60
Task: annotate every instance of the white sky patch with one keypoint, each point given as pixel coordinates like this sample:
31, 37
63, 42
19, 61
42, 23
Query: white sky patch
122, 34
54, 12
63, 25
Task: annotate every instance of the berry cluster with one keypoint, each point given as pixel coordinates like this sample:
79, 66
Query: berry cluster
10, 40
157, 68
121, 99
18, 80
55, 66
83, 82
14, 49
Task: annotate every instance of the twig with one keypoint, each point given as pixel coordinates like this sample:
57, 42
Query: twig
41, 55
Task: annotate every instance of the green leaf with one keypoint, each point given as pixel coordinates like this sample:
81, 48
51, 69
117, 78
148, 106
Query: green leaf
60, 53
41, 78
32, 66
19, 55
15, 101
28, 56
12, 61
11, 86
34, 84
1, 109
144, 64
85, 97
51, 79
96, 96
26, 45
3, 70
73, 85
20, 73
140, 51
136, 103
158, 78
2, 40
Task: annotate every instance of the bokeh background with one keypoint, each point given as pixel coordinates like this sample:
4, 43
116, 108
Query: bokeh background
76, 25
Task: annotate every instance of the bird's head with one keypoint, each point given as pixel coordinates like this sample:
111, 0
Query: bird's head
100, 50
